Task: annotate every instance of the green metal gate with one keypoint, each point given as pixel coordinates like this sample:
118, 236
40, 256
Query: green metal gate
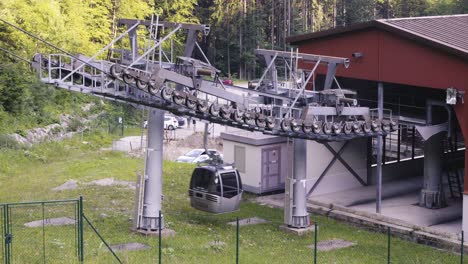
44, 232
41, 232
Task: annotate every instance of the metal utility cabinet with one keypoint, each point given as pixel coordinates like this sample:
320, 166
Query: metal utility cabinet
262, 160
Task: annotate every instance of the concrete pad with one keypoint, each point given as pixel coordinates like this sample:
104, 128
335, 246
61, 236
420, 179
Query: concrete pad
366, 194
128, 144
297, 231
333, 244
453, 227
68, 185
405, 208
249, 221
166, 232
112, 182
129, 247
51, 222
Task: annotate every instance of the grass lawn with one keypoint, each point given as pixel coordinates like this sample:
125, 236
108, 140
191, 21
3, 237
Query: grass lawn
27, 175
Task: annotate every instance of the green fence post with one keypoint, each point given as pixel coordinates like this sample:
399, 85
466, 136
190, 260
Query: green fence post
6, 233
160, 240
388, 245
43, 234
237, 240
315, 243
461, 247
80, 230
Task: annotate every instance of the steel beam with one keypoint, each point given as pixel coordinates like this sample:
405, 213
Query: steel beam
304, 56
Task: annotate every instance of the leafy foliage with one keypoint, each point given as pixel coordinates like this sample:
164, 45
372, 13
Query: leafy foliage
237, 28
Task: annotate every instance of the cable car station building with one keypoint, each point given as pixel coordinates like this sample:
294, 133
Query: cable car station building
422, 65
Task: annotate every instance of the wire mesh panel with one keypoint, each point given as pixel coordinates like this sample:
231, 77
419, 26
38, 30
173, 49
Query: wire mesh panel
40, 232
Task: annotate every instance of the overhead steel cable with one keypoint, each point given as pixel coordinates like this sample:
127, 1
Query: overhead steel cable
50, 44
14, 55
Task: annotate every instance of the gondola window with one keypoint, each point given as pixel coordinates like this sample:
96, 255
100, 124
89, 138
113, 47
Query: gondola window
230, 184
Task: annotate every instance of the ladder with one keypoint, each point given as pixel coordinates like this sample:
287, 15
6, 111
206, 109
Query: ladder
451, 170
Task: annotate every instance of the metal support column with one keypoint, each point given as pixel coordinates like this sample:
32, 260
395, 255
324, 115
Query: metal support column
378, 191
153, 179
432, 195
205, 137
300, 216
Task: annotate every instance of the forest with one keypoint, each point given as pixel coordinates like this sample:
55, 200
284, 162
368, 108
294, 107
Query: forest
237, 28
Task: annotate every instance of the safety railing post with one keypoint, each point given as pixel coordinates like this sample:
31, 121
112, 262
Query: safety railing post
399, 143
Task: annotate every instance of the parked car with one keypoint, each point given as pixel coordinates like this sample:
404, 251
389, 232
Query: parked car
253, 83
200, 155
228, 81
170, 123
181, 120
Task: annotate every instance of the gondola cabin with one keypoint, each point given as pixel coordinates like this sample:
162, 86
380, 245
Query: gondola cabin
215, 189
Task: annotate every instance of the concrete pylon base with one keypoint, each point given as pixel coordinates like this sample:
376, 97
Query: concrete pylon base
432, 199
166, 232
300, 221
151, 223
297, 231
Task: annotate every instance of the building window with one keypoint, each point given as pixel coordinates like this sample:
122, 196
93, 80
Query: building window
239, 158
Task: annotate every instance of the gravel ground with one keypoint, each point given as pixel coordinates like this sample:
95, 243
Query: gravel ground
184, 139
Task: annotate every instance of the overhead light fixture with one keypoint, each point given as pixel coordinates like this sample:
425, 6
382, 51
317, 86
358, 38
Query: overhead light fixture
453, 95
358, 55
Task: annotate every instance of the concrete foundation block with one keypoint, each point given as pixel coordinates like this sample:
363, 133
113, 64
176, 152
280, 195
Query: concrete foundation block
297, 231
166, 232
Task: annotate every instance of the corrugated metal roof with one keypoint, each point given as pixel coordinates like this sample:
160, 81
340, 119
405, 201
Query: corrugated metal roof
449, 33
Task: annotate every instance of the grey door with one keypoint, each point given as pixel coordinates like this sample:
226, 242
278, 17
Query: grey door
271, 168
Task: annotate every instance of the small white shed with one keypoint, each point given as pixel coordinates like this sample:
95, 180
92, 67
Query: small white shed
262, 160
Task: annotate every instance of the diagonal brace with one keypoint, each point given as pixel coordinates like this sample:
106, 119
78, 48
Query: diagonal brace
345, 164
325, 171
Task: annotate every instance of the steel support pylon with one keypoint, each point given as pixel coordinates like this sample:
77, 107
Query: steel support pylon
152, 196
300, 216
432, 195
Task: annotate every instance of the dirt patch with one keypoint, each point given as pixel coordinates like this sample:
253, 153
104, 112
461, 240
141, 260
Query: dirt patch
112, 182
129, 247
69, 185
249, 221
333, 244
196, 141
51, 222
